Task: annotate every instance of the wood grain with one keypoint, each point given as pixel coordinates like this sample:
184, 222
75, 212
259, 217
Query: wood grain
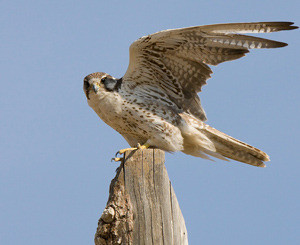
149, 209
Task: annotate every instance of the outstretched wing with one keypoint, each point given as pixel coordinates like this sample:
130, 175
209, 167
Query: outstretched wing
176, 61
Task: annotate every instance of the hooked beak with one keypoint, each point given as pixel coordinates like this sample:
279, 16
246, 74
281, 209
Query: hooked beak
87, 88
95, 87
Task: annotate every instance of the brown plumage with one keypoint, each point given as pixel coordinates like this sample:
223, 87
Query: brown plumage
156, 102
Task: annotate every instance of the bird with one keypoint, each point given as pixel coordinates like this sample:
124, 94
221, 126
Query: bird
156, 103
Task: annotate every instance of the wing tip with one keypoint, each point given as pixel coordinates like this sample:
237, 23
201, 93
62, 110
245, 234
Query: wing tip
293, 27
284, 44
283, 24
278, 44
289, 25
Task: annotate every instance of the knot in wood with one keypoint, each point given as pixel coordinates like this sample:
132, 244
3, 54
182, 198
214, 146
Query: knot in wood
108, 215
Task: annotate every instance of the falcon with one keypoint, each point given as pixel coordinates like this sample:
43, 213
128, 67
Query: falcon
155, 104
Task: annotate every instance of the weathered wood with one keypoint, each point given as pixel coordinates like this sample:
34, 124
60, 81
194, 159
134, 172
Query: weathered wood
142, 207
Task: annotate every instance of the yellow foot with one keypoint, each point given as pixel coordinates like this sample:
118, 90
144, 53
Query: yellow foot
117, 159
145, 146
122, 151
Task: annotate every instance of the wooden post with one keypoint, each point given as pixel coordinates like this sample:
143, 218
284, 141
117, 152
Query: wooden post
142, 207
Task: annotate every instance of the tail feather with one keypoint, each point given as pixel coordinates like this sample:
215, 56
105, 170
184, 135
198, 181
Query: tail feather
201, 140
234, 149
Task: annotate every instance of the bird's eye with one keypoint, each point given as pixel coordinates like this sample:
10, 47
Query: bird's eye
103, 79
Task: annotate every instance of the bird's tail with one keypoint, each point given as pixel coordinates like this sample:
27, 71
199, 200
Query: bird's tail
234, 149
210, 141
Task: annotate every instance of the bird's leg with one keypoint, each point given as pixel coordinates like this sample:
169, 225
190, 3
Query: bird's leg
139, 146
144, 146
122, 151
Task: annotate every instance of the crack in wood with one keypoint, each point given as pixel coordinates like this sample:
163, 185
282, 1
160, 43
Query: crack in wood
146, 208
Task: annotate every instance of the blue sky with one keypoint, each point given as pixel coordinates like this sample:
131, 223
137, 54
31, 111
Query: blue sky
55, 152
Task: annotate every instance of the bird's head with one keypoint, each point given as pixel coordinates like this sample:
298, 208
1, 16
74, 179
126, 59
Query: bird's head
99, 82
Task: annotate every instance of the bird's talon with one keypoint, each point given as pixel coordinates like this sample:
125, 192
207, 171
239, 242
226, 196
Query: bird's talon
117, 159
122, 151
